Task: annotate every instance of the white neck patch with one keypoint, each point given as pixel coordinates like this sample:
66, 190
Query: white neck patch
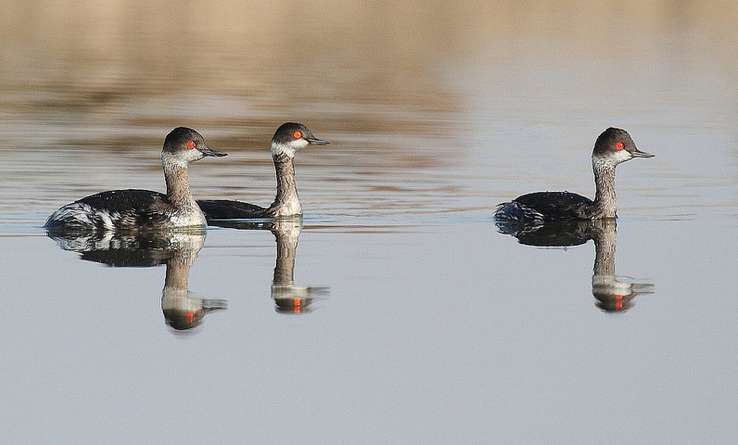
288, 149
611, 160
169, 160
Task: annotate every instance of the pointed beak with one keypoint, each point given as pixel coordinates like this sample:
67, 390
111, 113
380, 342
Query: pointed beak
641, 154
207, 151
312, 140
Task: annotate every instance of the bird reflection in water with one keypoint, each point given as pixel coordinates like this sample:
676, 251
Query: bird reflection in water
288, 298
613, 293
182, 309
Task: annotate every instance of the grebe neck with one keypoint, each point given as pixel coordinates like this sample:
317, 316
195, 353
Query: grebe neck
287, 201
605, 200
178, 183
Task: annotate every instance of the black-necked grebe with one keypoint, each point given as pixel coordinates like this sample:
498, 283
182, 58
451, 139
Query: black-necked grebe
143, 209
287, 141
612, 147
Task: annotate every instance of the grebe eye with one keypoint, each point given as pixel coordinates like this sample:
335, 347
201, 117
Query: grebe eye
190, 144
619, 146
297, 134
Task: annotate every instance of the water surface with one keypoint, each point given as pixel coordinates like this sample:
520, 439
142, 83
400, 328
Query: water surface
393, 312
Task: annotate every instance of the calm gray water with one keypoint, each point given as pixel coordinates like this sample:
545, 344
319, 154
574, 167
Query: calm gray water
410, 319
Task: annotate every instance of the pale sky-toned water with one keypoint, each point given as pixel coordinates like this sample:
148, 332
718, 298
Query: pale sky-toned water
435, 328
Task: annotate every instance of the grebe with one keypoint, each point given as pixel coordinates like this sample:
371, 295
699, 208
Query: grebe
289, 138
133, 210
612, 147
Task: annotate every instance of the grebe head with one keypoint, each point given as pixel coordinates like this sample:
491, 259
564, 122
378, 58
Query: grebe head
184, 145
615, 145
292, 137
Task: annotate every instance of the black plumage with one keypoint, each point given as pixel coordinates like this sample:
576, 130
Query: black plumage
133, 209
215, 209
557, 206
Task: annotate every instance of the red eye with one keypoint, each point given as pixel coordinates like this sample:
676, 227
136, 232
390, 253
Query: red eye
297, 134
619, 146
190, 144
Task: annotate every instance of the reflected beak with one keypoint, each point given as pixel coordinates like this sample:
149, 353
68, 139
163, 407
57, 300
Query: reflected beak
641, 154
312, 140
207, 151
642, 288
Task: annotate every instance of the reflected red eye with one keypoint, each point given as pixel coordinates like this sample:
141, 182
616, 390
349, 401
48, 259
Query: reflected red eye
619, 146
190, 144
296, 305
297, 134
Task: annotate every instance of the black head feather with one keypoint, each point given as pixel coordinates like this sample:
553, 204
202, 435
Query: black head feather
608, 141
178, 138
